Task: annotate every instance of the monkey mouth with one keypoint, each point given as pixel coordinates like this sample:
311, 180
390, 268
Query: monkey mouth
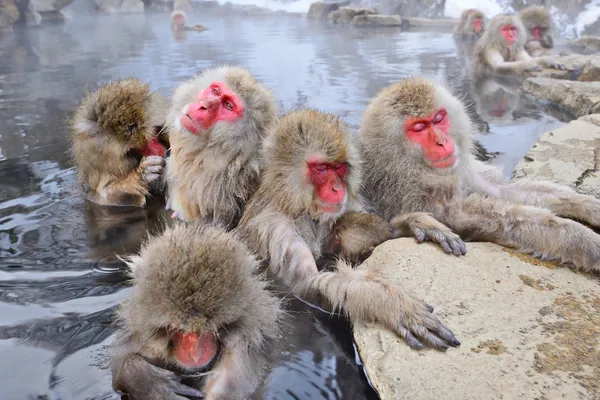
198, 129
446, 162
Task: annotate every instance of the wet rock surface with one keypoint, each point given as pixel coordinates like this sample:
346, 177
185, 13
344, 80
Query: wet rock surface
346, 14
586, 44
580, 98
377, 20
320, 10
528, 329
567, 155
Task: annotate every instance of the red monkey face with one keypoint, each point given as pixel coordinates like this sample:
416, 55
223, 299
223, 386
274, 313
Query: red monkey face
194, 351
431, 134
477, 25
215, 103
328, 181
536, 32
509, 32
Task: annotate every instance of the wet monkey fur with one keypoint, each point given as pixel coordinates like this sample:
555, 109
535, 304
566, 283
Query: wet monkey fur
538, 25
198, 309
471, 24
217, 124
118, 142
311, 177
416, 140
179, 23
501, 50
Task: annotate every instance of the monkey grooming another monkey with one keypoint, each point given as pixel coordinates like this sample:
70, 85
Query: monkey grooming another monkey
198, 309
310, 178
471, 24
217, 124
538, 25
501, 50
416, 142
118, 142
179, 23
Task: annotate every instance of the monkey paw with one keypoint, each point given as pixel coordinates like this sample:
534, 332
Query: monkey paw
551, 63
168, 384
532, 68
152, 168
450, 241
418, 324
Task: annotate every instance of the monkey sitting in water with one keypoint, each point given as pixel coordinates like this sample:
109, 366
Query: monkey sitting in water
179, 23
119, 144
198, 309
470, 24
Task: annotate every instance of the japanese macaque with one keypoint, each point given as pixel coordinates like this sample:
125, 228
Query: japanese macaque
416, 143
216, 126
538, 25
471, 24
310, 178
353, 238
501, 50
179, 23
199, 309
119, 144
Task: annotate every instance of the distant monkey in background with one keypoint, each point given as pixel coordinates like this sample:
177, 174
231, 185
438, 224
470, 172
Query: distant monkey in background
311, 178
179, 23
471, 24
217, 123
416, 139
118, 142
501, 50
199, 308
538, 25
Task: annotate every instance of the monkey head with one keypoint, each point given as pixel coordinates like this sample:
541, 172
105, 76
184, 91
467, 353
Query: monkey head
475, 22
178, 20
538, 25
426, 124
311, 164
222, 106
505, 31
195, 289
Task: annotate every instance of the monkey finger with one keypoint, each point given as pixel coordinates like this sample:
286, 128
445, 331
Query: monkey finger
410, 339
154, 160
445, 246
429, 308
184, 390
155, 169
458, 247
430, 338
419, 234
445, 334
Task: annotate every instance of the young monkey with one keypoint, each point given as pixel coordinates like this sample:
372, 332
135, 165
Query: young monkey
198, 309
501, 50
538, 25
217, 124
311, 177
416, 140
179, 23
471, 24
118, 142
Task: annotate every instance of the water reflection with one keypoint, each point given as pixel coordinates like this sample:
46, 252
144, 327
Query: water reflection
60, 279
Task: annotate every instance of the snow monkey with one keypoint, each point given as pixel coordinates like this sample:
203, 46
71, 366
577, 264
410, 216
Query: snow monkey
198, 309
471, 24
217, 124
416, 141
310, 178
501, 50
179, 23
118, 142
538, 25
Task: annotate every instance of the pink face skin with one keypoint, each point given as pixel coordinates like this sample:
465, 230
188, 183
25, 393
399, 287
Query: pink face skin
215, 103
194, 351
509, 32
536, 33
328, 181
431, 134
477, 25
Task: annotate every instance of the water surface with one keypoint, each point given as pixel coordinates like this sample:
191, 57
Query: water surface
59, 277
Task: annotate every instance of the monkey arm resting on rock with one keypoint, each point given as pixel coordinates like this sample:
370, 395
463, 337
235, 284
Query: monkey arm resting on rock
311, 177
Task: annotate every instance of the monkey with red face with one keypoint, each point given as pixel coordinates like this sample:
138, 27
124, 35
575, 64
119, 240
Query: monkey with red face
538, 25
311, 177
416, 142
471, 24
501, 50
217, 122
179, 23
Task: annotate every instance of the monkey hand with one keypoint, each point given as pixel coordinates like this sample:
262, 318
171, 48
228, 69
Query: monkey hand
426, 228
152, 168
531, 66
552, 63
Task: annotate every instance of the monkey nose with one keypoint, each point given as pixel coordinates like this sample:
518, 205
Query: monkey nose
206, 104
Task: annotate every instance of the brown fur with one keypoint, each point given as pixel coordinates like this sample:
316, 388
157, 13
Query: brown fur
465, 28
107, 129
537, 16
287, 230
195, 278
471, 198
212, 176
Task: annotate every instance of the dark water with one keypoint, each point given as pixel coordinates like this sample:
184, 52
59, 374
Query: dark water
59, 277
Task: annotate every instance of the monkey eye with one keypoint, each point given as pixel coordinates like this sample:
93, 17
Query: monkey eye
418, 127
439, 117
131, 128
216, 91
320, 167
229, 105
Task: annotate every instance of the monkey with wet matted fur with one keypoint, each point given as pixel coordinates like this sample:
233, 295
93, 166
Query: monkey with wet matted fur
471, 24
199, 309
310, 178
179, 23
538, 25
501, 50
416, 138
216, 124
118, 142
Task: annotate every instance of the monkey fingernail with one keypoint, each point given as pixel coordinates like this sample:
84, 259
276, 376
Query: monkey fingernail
184, 390
454, 342
429, 308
